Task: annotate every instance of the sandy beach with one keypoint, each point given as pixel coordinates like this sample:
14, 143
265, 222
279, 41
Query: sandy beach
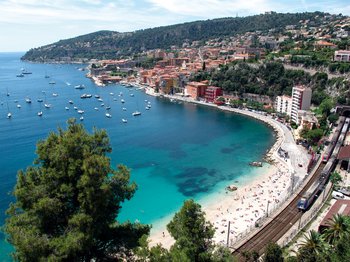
244, 209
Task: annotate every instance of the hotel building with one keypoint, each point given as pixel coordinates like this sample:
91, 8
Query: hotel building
301, 100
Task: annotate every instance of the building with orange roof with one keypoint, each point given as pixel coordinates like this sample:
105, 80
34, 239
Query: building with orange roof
323, 44
195, 89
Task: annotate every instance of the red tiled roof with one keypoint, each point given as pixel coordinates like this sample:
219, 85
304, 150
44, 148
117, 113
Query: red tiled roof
341, 207
344, 153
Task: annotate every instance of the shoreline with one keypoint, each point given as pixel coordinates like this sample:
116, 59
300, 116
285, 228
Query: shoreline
246, 208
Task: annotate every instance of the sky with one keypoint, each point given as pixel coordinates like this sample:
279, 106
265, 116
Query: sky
26, 24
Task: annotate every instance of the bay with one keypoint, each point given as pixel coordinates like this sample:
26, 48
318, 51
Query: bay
175, 151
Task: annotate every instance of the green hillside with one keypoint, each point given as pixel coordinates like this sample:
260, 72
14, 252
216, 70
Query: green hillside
109, 44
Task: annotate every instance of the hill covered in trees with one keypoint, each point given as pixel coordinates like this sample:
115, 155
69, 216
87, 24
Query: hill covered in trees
110, 44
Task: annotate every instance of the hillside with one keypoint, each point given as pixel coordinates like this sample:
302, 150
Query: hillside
110, 44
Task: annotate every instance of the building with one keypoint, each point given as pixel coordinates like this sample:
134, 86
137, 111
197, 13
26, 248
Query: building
212, 93
341, 207
301, 100
283, 105
342, 56
195, 89
307, 119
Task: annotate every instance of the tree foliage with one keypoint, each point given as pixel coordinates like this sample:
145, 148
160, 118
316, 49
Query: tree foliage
273, 253
68, 201
192, 233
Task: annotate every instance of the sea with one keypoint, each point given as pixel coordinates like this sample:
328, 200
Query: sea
175, 150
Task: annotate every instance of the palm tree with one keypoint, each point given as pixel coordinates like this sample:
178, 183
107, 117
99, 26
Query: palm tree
313, 248
338, 228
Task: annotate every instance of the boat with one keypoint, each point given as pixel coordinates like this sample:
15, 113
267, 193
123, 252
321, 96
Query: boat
9, 115
122, 100
20, 75
108, 115
71, 102
114, 99
131, 95
96, 108
108, 107
81, 118
67, 108
100, 99
80, 111
28, 100
47, 76
97, 96
25, 72
52, 82
124, 120
85, 96
40, 113
102, 104
255, 163
124, 109
54, 94
147, 108
79, 87
136, 113
7, 92
75, 108
39, 100
47, 105
19, 106
112, 94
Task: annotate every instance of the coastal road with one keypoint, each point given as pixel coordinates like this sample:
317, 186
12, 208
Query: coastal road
278, 226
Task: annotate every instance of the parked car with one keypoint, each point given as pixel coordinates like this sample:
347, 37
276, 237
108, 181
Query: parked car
337, 195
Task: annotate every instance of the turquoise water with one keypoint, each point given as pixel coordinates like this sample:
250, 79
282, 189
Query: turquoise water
175, 151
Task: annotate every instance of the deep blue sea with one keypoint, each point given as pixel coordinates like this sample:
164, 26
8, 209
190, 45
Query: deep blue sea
175, 151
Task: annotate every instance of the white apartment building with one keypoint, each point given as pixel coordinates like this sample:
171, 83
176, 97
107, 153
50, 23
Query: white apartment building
342, 56
283, 105
301, 100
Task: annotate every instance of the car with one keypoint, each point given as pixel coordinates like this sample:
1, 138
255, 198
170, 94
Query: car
337, 195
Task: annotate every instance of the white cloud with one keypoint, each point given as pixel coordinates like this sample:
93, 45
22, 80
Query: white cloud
214, 8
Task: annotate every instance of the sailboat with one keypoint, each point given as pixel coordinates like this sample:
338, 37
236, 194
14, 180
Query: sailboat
40, 113
47, 105
9, 115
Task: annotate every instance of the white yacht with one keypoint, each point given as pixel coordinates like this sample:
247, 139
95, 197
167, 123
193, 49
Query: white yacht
124, 120
108, 115
136, 113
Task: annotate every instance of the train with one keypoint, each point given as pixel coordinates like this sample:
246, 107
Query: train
311, 194
329, 150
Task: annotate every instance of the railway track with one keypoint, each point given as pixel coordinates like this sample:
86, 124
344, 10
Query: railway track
279, 225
